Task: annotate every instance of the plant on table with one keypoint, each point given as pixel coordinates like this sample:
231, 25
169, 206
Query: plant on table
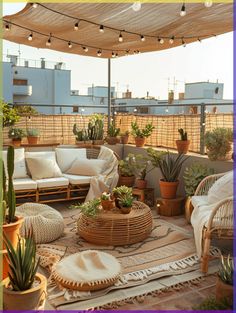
107, 201
225, 281
183, 143
96, 128
112, 133
139, 134
32, 135
126, 171
125, 203
24, 288
16, 134
219, 143
119, 192
89, 208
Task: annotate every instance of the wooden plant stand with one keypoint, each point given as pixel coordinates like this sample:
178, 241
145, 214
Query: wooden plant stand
145, 195
170, 207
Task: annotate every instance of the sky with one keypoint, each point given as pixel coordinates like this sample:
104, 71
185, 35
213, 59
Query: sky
154, 72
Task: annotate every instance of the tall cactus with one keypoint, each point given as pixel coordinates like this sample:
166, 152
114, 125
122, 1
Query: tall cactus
4, 193
11, 198
183, 134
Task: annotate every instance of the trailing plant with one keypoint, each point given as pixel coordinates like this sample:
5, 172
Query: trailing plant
16, 133
96, 127
122, 190
89, 208
141, 165
218, 142
126, 200
143, 133
113, 131
183, 134
10, 114
22, 263
80, 134
126, 166
226, 271
34, 132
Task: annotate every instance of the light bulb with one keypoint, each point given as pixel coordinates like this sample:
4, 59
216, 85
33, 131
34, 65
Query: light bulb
85, 49
76, 26
7, 27
101, 29
99, 53
30, 37
161, 41
121, 38
48, 43
69, 44
126, 52
35, 5
113, 55
136, 6
116, 55
142, 38
208, 3
183, 11
171, 41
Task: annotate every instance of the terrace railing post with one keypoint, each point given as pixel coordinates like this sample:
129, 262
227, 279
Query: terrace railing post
202, 128
109, 93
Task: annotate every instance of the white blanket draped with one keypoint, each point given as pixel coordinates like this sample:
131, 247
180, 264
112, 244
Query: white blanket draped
108, 179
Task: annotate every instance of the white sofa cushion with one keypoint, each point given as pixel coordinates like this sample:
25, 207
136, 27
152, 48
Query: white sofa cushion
222, 188
52, 182
43, 168
77, 179
24, 184
199, 201
65, 157
87, 167
20, 170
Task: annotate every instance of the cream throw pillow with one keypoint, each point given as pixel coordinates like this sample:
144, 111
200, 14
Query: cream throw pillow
43, 168
87, 167
222, 188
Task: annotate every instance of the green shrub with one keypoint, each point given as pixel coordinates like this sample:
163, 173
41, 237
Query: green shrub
218, 142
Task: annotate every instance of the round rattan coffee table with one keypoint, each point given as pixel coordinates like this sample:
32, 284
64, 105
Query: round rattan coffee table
116, 229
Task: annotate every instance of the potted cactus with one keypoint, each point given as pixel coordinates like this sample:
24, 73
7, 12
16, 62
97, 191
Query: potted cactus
112, 133
126, 172
224, 283
107, 201
96, 129
183, 143
16, 135
124, 137
81, 136
140, 135
32, 136
24, 289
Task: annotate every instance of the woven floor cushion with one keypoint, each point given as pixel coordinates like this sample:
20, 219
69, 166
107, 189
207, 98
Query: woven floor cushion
45, 222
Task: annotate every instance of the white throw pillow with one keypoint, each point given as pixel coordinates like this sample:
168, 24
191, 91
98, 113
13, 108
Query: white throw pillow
43, 168
20, 170
222, 188
65, 157
87, 167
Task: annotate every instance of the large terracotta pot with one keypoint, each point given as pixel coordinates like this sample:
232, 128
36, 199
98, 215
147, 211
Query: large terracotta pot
223, 290
168, 189
16, 142
111, 140
188, 209
139, 141
32, 299
12, 231
141, 183
32, 140
124, 139
107, 204
126, 181
182, 146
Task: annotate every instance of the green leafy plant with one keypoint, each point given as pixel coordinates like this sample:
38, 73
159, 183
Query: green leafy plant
10, 115
141, 165
106, 196
96, 127
22, 263
34, 132
26, 110
89, 208
226, 271
126, 133
80, 134
183, 134
126, 200
193, 175
122, 190
218, 142
113, 131
143, 133
155, 156
126, 166
211, 304
16, 133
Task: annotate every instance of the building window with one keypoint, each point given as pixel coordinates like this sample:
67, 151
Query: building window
75, 109
20, 82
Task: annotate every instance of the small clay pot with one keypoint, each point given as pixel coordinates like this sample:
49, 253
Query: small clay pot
182, 146
124, 139
139, 141
141, 183
125, 210
32, 140
111, 140
168, 189
107, 205
16, 142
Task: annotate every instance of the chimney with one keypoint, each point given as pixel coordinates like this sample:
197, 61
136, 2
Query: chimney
170, 96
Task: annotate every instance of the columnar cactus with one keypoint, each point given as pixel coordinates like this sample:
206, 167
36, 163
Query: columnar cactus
11, 198
183, 134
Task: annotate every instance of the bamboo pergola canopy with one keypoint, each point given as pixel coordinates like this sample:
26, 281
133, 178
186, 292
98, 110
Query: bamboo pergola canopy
153, 20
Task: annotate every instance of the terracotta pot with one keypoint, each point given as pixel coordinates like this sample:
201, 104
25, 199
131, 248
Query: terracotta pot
168, 189
124, 139
111, 140
126, 181
16, 142
108, 204
141, 183
5, 265
182, 146
12, 231
223, 290
125, 210
32, 140
188, 209
139, 141
98, 142
80, 143
117, 139
32, 299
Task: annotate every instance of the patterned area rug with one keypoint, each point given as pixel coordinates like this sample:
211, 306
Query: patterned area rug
167, 252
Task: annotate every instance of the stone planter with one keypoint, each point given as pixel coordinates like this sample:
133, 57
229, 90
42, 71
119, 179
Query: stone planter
168, 189
182, 146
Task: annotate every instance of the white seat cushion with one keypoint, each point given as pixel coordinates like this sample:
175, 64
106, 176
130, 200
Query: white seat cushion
52, 182
20, 170
90, 167
77, 179
222, 188
198, 201
24, 184
65, 157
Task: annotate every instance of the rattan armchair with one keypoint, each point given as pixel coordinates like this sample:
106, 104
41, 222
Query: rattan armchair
220, 222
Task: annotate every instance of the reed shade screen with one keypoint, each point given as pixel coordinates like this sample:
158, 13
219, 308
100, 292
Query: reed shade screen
58, 128
154, 19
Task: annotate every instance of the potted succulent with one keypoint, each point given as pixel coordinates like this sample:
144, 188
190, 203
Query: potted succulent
141, 165
183, 143
193, 175
90, 208
124, 137
170, 167
224, 283
126, 172
81, 136
125, 203
32, 136
107, 201
24, 289
120, 191
112, 133
16, 135
140, 135
96, 129
219, 144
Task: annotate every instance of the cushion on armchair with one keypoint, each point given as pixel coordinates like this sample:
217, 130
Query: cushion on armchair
221, 189
65, 157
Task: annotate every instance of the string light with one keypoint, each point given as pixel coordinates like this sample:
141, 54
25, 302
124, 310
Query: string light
35, 5
48, 43
101, 29
69, 45
171, 41
136, 6
113, 54
142, 38
183, 10
116, 55
120, 38
99, 53
85, 49
30, 37
161, 41
208, 3
126, 52
76, 26
7, 27
199, 40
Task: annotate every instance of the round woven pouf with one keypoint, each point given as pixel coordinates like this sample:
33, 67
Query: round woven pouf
114, 228
86, 271
45, 223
